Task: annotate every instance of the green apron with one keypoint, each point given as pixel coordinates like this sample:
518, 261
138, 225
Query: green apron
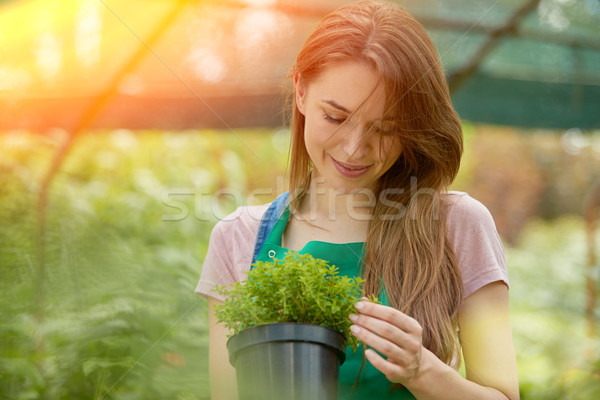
372, 384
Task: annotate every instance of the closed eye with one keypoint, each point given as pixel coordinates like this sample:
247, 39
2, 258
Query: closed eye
385, 129
329, 118
383, 132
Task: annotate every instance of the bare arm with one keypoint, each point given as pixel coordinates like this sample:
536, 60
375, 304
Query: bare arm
485, 337
487, 349
222, 375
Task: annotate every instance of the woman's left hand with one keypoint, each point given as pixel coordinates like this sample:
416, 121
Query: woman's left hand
393, 334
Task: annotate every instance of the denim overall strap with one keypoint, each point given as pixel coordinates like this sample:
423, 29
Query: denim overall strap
268, 222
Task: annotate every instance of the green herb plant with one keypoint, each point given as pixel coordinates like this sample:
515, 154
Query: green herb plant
299, 288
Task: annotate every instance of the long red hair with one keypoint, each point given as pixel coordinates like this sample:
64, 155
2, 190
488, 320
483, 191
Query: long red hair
407, 251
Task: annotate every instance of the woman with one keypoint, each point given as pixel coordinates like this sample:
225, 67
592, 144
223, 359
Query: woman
375, 143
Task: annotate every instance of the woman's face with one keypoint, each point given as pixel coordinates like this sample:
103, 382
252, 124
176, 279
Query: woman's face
348, 151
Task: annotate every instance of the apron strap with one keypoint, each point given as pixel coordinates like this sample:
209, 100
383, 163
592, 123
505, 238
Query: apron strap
268, 222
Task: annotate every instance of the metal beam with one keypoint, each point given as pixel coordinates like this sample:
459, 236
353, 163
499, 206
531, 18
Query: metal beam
462, 74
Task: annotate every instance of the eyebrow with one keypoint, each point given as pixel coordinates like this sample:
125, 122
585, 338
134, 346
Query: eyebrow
336, 105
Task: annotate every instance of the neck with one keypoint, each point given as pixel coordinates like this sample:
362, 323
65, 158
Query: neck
322, 202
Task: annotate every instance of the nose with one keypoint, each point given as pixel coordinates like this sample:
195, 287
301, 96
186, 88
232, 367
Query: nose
354, 144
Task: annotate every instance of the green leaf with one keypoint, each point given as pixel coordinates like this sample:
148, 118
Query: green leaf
298, 288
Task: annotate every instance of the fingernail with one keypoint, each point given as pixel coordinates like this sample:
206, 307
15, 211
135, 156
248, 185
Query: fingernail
355, 329
359, 305
353, 317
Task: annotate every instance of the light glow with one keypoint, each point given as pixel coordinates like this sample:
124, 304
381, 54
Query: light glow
88, 33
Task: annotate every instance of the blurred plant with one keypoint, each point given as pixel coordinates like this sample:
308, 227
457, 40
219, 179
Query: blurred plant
120, 318
505, 178
521, 175
554, 354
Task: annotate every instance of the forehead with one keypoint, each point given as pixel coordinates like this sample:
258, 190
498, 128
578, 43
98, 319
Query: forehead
350, 85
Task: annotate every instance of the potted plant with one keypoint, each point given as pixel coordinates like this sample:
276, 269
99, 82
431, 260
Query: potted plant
290, 327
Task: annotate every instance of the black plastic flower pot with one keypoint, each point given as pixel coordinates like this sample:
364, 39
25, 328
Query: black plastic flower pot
287, 362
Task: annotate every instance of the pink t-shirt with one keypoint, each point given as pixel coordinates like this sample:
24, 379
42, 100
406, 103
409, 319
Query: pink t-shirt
471, 232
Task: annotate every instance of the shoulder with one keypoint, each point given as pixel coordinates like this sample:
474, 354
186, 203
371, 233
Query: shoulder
477, 246
464, 209
230, 249
236, 233
244, 218
468, 221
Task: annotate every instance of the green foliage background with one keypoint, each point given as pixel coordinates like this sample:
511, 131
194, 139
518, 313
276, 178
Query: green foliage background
113, 315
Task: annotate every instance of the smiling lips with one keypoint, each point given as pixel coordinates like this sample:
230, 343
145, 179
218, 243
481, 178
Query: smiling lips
350, 170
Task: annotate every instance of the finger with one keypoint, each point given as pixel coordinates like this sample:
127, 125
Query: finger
392, 372
381, 344
389, 314
382, 328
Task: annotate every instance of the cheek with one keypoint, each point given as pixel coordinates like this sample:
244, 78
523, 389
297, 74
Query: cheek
390, 150
312, 138
318, 132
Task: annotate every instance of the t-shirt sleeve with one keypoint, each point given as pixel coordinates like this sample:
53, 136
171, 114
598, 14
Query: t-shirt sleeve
217, 268
230, 250
476, 243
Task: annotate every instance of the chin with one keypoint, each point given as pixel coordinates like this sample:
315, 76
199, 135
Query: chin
349, 187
